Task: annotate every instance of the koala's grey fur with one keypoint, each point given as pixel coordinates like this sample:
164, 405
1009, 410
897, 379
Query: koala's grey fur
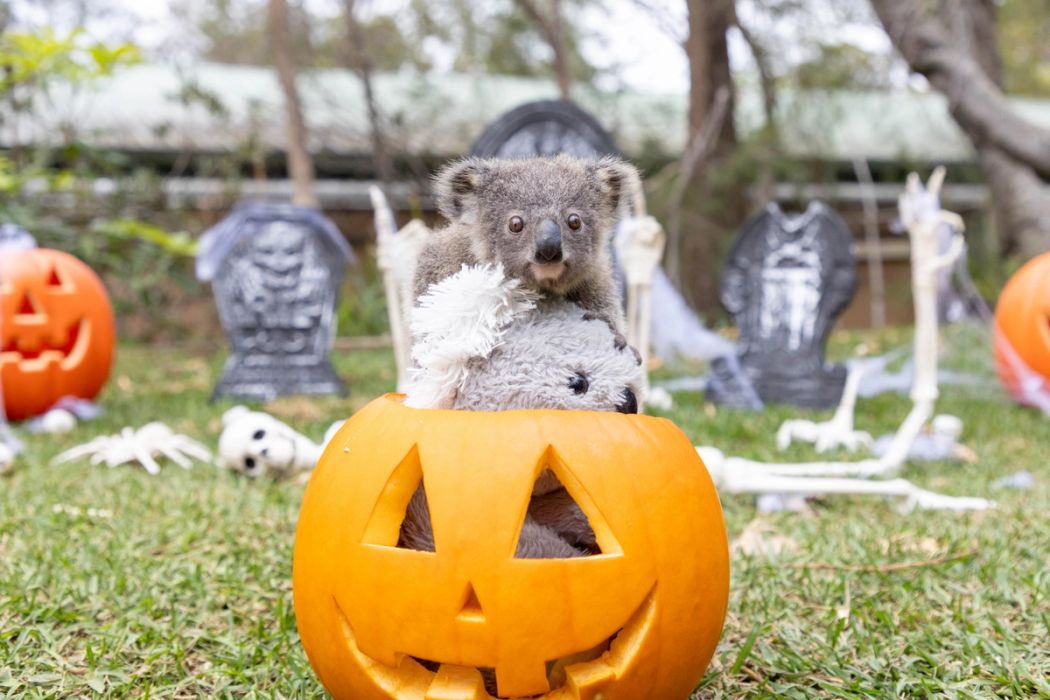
538, 360
480, 196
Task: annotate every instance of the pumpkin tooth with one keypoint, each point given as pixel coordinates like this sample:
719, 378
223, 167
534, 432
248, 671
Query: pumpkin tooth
457, 683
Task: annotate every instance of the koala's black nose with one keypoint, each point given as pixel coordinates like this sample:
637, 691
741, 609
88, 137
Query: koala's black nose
548, 242
630, 402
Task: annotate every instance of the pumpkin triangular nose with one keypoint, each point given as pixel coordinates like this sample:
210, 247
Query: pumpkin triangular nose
471, 610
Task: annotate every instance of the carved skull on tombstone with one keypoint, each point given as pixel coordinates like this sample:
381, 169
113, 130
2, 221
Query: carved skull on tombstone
276, 271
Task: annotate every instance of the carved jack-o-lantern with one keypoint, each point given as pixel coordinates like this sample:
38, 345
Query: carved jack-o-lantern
1022, 319
638, 620
56, 332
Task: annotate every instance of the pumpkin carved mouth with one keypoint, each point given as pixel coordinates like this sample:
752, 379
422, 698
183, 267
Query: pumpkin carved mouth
68, 352
574, 676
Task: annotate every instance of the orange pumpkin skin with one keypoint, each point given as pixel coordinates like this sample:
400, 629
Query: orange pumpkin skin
56, 332
1022, 319
365, 607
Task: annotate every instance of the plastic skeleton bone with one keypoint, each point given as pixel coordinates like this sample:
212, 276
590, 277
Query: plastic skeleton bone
734, 474
639, 241
837, 432
256, 443
396, 254
143, 446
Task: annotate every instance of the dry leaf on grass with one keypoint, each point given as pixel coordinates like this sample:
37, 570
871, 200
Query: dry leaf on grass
760, 538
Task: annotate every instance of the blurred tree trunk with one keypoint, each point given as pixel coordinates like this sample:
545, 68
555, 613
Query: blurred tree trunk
709, 211
361, 63
956, 49
550, 24
708, 52
300, 163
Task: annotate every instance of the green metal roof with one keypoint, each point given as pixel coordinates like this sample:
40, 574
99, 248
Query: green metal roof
139, 109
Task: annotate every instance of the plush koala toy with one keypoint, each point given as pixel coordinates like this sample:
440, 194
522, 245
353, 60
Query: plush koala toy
257, 444
484, 342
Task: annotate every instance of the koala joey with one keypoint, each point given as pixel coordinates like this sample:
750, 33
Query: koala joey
483, 342
547, 221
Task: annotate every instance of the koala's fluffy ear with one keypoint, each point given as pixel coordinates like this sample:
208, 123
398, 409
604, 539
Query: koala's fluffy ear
618, 179
456, 187
461, 318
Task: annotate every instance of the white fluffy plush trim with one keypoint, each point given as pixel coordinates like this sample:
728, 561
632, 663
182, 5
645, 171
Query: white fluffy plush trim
458, 319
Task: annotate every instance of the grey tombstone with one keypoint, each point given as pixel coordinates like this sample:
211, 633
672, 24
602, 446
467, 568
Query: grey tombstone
544, 128
276, 270
786, 281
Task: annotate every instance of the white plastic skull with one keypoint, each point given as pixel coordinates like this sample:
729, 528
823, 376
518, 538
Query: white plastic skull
256, 443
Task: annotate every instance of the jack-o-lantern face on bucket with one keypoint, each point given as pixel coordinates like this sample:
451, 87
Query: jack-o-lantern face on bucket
638, 620
1022, 319
56, 332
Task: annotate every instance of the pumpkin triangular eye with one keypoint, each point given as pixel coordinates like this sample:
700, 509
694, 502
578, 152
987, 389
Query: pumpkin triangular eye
562, 520
401, 517
54, 279
28, 306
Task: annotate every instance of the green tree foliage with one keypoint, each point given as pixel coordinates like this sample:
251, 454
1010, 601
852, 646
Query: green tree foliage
844, 66
494, 37
1024, 42
35, 62
145, 260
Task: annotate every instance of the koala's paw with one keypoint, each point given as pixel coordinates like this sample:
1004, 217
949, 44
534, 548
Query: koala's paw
637, 356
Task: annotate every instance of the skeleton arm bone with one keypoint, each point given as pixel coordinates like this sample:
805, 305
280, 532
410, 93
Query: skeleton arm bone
948, 258
757, 482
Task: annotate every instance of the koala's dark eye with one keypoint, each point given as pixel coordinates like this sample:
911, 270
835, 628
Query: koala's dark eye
574, 221
579, 384
258, 435
249, 463
516, 224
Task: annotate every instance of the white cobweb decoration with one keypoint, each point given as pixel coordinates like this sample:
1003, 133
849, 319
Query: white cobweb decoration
1025, 384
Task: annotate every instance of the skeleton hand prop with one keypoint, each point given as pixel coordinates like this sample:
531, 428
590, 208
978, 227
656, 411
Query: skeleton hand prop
142, 446
837, 432
255, 444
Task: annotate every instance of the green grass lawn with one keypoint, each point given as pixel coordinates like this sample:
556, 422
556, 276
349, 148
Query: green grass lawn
179, 585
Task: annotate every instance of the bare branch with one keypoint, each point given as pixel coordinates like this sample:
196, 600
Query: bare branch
361, 63
300, 163
698, 150
550, 25
765, 72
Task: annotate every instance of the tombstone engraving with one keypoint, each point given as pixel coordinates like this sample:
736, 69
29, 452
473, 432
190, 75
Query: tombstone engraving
275, 270
544, 128
786, 281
